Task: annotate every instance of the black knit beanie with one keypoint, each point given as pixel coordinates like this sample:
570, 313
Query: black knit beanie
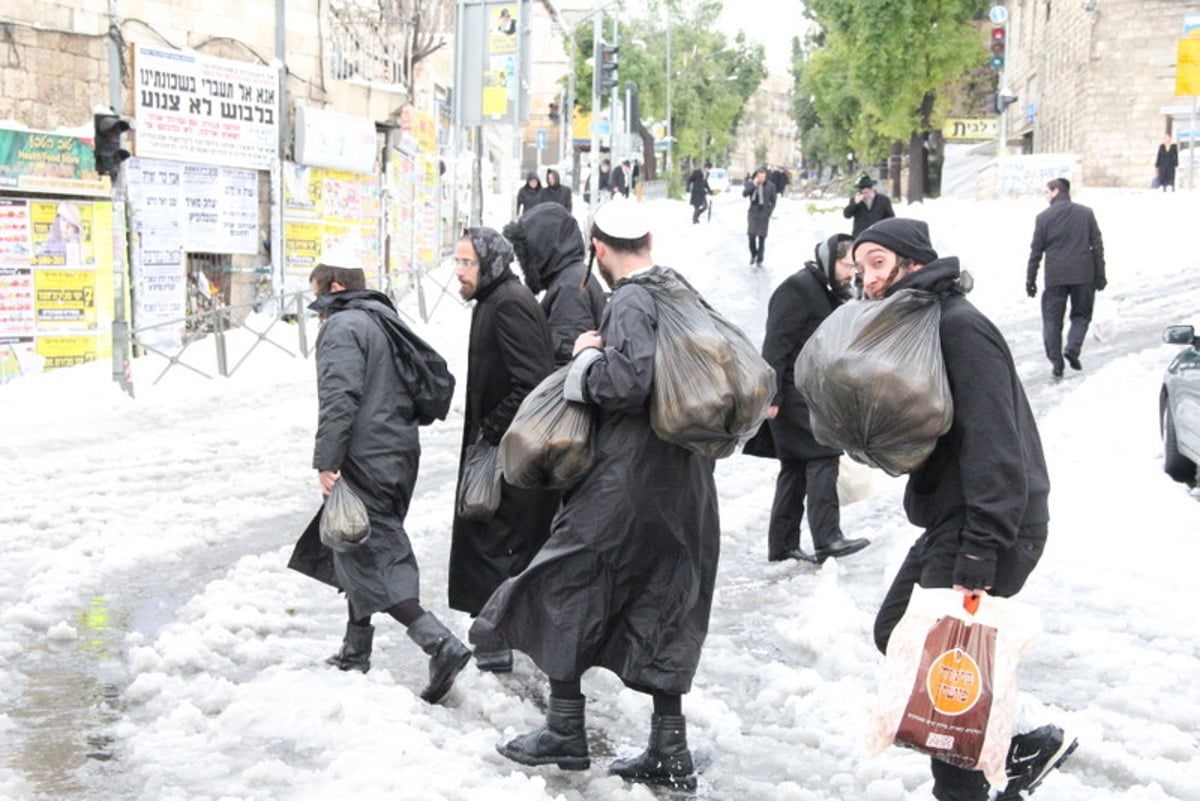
906, 236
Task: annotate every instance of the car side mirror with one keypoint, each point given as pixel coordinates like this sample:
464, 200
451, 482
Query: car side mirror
1179, 335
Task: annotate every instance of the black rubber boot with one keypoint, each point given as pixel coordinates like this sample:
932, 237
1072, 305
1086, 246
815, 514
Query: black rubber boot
562, 741
356, 649
497, 661
447, 655
667, 762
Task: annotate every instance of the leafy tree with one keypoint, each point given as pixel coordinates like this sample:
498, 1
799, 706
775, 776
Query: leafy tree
888, 63
711, 77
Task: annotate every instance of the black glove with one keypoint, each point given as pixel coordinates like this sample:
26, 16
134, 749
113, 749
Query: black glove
975, 572
1101, 283
1031, 288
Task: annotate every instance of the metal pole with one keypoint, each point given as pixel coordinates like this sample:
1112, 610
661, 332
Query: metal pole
594, 170
120, 327
1192, 148
614, 106
667, 159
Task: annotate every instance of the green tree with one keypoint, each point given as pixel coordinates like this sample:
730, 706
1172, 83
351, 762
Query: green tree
889, 62
711, 77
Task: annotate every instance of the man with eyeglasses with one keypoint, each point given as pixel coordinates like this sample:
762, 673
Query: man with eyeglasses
1069, 237
509, 353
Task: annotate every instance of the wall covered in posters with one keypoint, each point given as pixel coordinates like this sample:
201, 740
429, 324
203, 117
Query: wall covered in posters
334, 215
56, 283
177, 209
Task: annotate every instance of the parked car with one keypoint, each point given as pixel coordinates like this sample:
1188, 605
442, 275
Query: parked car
1179, 406
718, 180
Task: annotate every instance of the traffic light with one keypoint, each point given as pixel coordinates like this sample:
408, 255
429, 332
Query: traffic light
1001, 101
999, 42
106, 144
607, 70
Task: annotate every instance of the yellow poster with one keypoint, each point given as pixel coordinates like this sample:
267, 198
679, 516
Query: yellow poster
302, 244
502, 29
61, 233
495, 92
66, 351
65, 298
1187, 68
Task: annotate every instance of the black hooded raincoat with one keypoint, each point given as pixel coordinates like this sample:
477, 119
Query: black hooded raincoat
626, 580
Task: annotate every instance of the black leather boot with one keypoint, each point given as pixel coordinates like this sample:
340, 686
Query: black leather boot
496, 661
356, 649
447, 655
562, 741
667, 761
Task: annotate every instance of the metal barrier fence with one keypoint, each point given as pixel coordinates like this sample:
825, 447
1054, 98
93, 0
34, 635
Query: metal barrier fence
212, 326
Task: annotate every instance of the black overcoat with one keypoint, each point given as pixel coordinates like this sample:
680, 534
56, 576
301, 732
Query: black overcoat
865, 216
626, 580
797, 307
509, 354
365, 429
758, 216
1069, 236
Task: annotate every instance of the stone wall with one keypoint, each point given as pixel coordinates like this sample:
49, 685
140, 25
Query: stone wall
1099, 73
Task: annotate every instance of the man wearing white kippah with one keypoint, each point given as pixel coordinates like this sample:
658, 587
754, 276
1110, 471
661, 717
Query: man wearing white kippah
625, 581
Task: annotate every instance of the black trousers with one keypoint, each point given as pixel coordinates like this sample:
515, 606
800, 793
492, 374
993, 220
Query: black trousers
758, 246
1054, 308
696, 212
815, 479
930, 563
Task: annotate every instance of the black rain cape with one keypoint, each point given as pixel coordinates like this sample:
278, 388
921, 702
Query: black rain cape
625, 581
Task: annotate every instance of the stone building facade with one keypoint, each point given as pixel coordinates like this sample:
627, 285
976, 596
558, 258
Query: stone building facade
1093, 78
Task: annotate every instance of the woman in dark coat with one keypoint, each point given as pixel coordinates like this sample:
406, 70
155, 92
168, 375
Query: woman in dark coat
1165, 162
555, 192
549, 248
807, 468
509, 354
367, 437
758, 217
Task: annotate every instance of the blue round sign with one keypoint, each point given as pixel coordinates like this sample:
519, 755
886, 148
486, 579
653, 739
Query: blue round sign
998, 15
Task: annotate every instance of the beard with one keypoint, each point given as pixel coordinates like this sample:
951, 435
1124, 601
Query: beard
605, 273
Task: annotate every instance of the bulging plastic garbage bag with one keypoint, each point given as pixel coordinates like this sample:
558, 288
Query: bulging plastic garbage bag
548, 445
711, 386
875, 383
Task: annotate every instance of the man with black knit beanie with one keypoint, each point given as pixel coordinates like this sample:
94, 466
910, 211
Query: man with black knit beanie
982, 495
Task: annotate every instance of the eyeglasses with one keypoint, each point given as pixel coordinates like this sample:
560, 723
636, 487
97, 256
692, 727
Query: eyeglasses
466, 262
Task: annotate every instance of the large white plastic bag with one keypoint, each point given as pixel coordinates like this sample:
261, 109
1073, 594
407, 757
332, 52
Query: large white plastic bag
344, 523
875, 383
711, 386
479, 489
548, 445
1016, 625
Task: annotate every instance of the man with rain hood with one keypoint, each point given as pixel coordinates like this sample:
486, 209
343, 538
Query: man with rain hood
508, 355
625, 581
549, 248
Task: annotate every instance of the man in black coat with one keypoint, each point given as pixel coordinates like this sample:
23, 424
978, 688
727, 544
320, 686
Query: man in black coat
807, 468
699, 190
1068, 235
1165, 162
982, 496
549, 248
626, 580
509, 354
867, 207
367, 436
758, 216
